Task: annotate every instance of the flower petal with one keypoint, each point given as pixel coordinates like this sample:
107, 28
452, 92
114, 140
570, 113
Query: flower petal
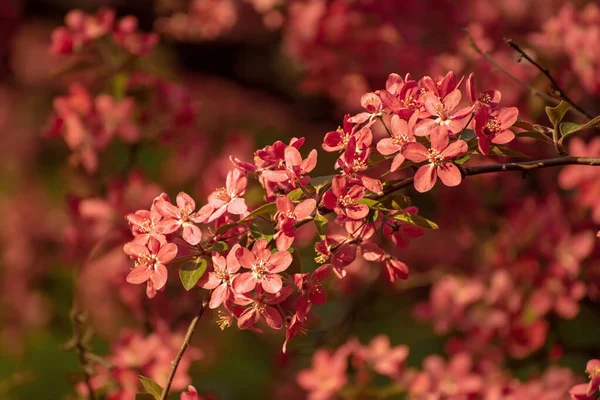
425, 178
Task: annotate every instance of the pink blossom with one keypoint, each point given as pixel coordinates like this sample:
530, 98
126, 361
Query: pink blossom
295, 168
190, 394
220, 279
150, 263
442, 109
492, 126
264, 266
402, 134
182, 216
438, 157
230, 198
260, 305
343, 199
326, 376
287, 217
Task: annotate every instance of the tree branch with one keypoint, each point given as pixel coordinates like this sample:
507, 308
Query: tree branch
563, 95
186, 341
78, 342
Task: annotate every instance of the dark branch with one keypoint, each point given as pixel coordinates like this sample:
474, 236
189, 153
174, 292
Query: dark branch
186, 341
563, 95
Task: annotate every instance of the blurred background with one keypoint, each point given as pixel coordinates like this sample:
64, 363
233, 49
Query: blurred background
228, 77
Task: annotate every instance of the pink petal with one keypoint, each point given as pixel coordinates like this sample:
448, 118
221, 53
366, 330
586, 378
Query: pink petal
284, 204
203, 214
339, 186
455, 149
185, 201
279, 261
387, 146
449, 174
292, 157
397, 162
166, 209
219, 295
273, 318
167, 253
452, 100
508, 116
310, 163
271, 283
139, 274
245, 257
332, 141
470, 88
425, 178
248, 318
284, 242
209, 281
503, 137
330, 200
425, 127
357, 211
439, 138
233, 265
275, 176
244, 283
305, 209
237, 206
167, 226
159, 276
135, 250
416, 152
191, 234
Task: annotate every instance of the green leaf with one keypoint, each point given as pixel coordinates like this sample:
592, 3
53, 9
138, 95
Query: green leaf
119, 85
262, 229
556, 114
536, 135
321, 223
414, 219
506, 152
151, 387
569, 128
219, 246
262, 210
462, 160
321, 181
296, 194
191, 271
371, 203
395, 201
224, 228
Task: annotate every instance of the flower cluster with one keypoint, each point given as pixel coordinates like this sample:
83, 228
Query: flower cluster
83, 31
462, 376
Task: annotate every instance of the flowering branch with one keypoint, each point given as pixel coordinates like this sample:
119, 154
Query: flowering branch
186, 341
546, 72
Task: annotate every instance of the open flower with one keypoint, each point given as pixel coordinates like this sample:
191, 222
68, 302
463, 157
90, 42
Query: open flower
438, 157
261, 305
150, 263
287, 217
402, 134
493, 127
230, 198
264, 268
343, 199
182, 216
443, 112
220, 280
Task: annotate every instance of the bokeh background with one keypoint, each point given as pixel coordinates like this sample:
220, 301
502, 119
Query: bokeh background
232, 76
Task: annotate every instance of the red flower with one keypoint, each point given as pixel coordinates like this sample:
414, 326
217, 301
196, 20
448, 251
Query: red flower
343, 200
150, 263
295, 168
182, 216
443, 111
311, 291
437, 156
287, 217
264, 266
338, 139
230, 198
220, 280
493, 127
402, 134
260, 306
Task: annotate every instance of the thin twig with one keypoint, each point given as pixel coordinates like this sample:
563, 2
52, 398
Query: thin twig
563, 95
80, 346
186, 341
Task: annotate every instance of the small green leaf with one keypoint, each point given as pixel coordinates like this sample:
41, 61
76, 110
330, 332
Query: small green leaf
262, 210
371, 203
395, 201
414, 219
462, 160
151, 387
262, 229
191, 271
556, 114
296, 194
219, 246
224, 228
321, 181
569, 128
506, 152
321, 223
536, 135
